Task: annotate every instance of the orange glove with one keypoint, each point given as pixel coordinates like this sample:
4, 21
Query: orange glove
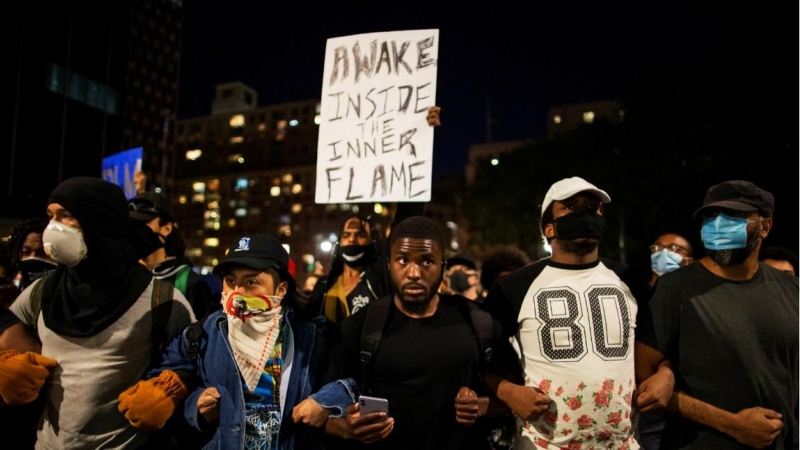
22, 375
149, 403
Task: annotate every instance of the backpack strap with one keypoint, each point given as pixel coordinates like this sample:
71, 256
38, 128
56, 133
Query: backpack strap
161, 309
182, 278
194, 334
36, 301
377, 313
483, 325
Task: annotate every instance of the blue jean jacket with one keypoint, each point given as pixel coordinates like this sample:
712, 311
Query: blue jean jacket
218, 368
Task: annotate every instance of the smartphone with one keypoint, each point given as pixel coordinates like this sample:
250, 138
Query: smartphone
369, 404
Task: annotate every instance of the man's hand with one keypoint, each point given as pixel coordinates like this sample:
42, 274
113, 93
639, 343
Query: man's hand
310, 412
433, 116
369, 428
467, 406
22, 375
654, 393
527, 402
208, 404
756, 427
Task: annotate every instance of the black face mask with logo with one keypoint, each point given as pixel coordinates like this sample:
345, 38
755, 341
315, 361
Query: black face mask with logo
32, 269
580, 224
358, 255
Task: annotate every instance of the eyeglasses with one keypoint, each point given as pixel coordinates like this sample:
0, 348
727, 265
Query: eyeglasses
655, 248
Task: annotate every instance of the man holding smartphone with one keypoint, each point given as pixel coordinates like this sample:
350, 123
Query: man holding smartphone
427, 364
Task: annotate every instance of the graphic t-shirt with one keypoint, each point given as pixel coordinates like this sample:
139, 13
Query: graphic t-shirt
575, 328
263, 407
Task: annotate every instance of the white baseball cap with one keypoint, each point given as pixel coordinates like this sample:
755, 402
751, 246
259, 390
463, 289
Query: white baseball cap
566, 188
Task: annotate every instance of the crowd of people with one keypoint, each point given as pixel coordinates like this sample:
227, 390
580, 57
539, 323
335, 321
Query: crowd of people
110, 339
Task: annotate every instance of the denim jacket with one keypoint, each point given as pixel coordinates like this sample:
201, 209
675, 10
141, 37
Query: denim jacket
216, 367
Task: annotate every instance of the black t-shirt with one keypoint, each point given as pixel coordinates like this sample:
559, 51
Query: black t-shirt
735, 344
419, 367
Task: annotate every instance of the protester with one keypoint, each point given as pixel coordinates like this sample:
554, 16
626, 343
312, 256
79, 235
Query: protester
357, 275
26, 252
427, 364
163, 250
727, 325
93, 318
461, 277
573, 317
255, 359
669, 252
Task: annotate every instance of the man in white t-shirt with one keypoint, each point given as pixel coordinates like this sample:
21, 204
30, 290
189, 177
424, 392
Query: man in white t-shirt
573, 315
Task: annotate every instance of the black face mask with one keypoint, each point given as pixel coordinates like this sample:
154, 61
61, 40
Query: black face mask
459, 281
580, 224
144, 240
358, 255
32, 269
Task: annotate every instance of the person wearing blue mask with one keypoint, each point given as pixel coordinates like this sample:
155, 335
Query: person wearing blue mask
669, 252
727, 327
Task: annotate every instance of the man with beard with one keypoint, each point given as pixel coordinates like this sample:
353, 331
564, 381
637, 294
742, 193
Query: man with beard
728, 326
573, 316
357, 273
427, 364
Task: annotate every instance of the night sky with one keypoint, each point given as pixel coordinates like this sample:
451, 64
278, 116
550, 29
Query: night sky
520, 63
523, 61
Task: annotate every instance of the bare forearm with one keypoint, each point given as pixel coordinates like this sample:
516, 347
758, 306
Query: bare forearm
701, 412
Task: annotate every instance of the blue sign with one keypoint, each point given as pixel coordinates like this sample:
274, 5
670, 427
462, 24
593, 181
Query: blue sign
120, 168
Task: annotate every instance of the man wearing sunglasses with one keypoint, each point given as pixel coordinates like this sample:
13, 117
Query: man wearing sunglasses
727, 326
162, 249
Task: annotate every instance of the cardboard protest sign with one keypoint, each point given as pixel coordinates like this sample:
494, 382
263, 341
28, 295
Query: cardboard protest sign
374, 142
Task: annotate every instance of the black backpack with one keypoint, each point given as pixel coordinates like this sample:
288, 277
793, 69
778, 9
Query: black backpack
378, 312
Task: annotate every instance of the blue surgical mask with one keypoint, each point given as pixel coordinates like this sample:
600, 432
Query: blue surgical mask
665, 261
724, 232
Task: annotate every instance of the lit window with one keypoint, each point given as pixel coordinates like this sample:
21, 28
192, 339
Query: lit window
294, 123
262, 127
192, 155
297, 188
297, 207
198, 186
275, 191
557, 118
495, 161
213, 185
240, 212
241, 184
237, 121
588, 117
235, 158
198, 198
285, 230
287, 178
182, 200
194, 252
237, 140
211, 242
231, 223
